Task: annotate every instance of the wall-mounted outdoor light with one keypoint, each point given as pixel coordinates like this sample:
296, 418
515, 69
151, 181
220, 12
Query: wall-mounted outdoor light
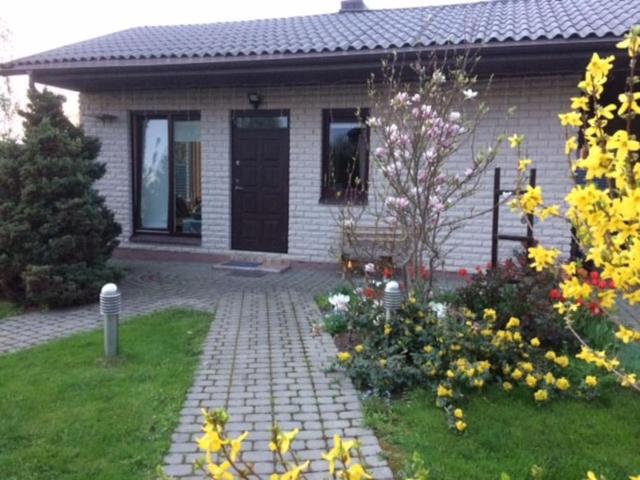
110, 308
255, 99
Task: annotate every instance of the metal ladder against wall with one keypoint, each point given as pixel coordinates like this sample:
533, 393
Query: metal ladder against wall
496, 236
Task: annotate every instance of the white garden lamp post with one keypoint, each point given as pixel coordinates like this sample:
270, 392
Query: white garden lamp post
392, 298
110, 308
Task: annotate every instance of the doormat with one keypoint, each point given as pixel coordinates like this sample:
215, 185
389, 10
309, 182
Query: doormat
247, 273
241, 264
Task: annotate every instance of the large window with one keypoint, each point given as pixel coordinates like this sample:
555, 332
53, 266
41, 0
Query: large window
168, 173
345, 155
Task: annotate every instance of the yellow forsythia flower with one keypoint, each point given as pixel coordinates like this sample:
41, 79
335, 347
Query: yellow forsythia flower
359, 348
532, 381
542, 257
458, 413
570, 119
627, 335
563, 384
580, 103
571, 145
523, 164
387, 329
427, 349
236, 446
461, 426
535, 342
507, 386
210, 442
220, 472
531, 199
628, 380
357, 472
550, 355
515, 140
516, 374
562, 361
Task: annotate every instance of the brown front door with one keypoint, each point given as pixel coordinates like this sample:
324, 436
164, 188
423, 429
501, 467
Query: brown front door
260, 181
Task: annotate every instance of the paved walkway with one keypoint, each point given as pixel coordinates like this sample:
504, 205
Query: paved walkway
151, 286
263, 363
262, 360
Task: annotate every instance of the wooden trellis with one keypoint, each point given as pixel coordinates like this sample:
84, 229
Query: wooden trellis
496, 236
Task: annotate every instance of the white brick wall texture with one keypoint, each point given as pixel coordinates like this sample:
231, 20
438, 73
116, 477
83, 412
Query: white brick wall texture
312, 228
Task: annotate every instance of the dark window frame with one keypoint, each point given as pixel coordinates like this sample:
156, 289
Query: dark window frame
331, 195
137, 144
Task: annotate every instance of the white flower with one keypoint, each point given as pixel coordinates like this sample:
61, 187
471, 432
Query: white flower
373, 121
340, 302
440, 309
468, 172
348, 223
439, 77
370, 268
469, 94
454, 117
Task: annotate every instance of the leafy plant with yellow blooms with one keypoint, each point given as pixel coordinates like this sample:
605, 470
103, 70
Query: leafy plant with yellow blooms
458, 353
223, 456
603, 210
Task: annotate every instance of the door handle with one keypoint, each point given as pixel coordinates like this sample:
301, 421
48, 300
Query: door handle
237, 187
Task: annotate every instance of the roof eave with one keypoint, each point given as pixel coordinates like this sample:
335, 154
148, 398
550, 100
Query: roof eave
514, 58
13, 68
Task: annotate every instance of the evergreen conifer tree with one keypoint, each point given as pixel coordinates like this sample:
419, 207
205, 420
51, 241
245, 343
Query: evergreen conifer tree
56, 232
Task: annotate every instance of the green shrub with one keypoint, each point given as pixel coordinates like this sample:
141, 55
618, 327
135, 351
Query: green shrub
514, 289
56, 233
335, 323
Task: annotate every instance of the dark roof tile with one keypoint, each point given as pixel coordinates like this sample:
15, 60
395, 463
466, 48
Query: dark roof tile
488, 21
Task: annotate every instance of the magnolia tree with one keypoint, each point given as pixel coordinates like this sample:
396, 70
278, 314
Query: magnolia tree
604, 209
423, 116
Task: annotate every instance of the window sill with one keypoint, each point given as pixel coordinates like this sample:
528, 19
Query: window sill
165, 239
339, 201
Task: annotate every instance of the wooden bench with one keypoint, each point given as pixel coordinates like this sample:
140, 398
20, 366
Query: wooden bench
367, 244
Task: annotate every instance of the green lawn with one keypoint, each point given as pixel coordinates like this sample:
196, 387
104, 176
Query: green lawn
508, 433
66, 414
8, 308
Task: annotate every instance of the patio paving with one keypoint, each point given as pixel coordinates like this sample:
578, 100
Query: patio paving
151, 286
263, 359
264, 364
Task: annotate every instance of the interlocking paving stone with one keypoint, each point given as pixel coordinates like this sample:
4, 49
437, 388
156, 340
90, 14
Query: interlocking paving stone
275, 370
148, 287
261, 360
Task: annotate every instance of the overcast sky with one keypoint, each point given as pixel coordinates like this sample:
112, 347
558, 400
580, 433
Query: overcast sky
36, 26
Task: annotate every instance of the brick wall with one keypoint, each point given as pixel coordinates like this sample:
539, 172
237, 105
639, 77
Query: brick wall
312, 229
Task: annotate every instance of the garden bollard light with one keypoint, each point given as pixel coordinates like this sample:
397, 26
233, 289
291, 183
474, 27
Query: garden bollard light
110, 308
392, 298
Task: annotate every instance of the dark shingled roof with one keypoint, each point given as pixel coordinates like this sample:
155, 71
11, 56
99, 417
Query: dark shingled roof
493, 21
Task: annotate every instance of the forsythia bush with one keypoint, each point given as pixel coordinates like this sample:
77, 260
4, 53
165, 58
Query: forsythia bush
457, 348
223, 459
604, 209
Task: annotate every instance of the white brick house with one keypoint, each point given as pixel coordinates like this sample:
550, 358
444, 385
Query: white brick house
188, 105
